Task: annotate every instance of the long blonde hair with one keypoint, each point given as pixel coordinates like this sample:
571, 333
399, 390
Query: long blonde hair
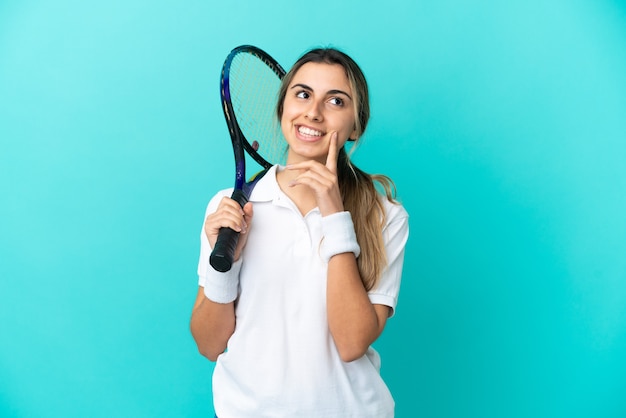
358, 189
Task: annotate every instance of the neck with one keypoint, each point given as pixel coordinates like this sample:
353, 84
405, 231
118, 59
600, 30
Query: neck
302, 196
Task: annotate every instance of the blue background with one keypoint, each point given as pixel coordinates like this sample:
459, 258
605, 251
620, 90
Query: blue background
502, 123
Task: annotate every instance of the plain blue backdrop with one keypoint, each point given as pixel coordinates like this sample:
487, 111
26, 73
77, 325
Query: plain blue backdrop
502, 123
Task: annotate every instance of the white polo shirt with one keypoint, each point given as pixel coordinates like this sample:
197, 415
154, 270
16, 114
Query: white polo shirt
281, 361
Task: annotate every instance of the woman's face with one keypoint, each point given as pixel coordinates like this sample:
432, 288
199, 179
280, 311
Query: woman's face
318, 102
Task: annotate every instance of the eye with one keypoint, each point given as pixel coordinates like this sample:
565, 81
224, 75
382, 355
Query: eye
337, 101
303, 94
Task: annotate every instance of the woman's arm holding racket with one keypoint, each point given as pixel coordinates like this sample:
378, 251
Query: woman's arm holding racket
249, 85
213, 323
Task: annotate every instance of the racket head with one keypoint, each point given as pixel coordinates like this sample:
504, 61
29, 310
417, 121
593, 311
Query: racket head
249, 88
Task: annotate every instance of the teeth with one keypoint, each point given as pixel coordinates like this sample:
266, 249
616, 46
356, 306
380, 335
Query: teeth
308, 131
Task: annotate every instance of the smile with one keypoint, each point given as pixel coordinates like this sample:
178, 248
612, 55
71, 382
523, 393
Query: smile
309, 132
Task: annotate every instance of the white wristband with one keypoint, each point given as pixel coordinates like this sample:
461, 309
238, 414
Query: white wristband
222, 287
339, 236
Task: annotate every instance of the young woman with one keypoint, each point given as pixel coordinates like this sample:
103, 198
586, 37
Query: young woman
317, 269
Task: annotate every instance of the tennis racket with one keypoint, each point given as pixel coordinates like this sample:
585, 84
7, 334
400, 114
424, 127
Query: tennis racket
249, 89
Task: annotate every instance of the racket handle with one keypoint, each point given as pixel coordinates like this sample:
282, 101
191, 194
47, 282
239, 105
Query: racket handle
222, 256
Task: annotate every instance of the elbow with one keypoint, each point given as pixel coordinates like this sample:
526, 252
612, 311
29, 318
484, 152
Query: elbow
352, 345
207, 347
350, 357
351, 352
212, 356
209, 353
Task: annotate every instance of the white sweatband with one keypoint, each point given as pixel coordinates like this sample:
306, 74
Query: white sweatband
222, 287
339, 236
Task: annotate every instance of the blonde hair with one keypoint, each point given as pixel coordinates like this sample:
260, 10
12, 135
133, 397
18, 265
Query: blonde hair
358, 188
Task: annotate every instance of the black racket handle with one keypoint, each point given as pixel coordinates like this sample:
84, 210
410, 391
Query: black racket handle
224, 252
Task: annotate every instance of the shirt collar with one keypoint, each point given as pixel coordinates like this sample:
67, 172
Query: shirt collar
267, 188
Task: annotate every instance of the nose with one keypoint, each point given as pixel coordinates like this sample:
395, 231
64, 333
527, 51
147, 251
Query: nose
313, 113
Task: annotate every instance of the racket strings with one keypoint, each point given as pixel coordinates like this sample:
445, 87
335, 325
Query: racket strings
254, 90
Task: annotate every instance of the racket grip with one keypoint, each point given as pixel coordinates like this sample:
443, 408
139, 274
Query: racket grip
222, 256
223, 253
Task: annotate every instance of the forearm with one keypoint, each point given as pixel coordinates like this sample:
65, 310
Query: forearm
212, 324
353, 321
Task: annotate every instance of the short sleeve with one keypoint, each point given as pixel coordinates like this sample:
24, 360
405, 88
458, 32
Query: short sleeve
395, 235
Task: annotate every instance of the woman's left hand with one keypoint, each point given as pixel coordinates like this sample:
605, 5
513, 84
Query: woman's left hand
322, 179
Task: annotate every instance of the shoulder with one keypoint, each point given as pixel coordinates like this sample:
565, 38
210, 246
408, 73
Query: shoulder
263, 185
264, 188
217, 197
396, 224
394, 211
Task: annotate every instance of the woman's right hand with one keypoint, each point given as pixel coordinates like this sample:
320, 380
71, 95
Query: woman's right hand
229, 215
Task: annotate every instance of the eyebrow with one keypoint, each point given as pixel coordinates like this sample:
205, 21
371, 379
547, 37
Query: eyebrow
334, 91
